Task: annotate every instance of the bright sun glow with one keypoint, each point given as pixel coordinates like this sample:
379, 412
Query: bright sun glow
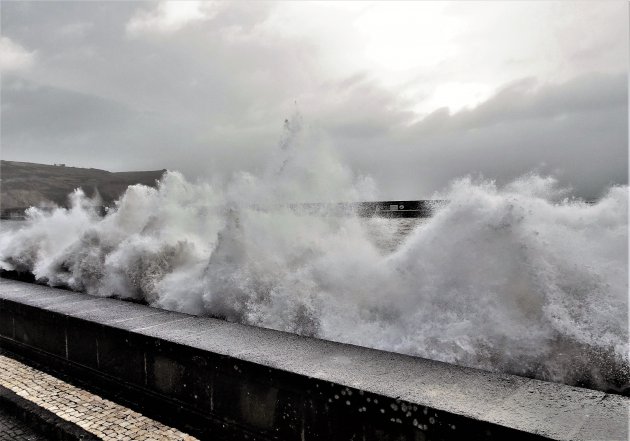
404, 36
455, 96
399, 43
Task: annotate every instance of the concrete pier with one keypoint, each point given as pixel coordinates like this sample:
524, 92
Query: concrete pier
223, 380
391, 209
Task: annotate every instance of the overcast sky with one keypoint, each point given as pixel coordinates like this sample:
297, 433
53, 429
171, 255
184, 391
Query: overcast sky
413, 94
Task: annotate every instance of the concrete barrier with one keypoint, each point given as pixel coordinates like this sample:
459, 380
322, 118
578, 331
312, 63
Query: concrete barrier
223, 380
390, 209
393, 209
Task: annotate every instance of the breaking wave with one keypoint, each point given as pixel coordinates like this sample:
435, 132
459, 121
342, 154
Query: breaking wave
516, 278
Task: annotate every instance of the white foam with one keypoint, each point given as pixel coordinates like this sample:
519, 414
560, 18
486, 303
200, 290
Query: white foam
511, 278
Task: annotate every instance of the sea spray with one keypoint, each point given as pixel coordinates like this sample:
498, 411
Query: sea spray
516, 278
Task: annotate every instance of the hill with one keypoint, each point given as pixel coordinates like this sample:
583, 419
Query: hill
24, 184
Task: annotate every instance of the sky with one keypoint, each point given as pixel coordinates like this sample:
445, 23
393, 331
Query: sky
413, 94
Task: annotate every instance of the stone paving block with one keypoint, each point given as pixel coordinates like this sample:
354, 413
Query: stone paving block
12, 429
101, 417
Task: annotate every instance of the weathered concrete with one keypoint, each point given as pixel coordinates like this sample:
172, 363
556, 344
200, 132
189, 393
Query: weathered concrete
67, 412
228, 380
393, 209
21, 419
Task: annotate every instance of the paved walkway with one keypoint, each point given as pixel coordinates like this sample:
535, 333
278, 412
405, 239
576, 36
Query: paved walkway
12, 429
103, 418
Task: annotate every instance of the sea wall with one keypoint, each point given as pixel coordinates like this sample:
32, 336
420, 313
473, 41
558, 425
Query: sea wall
223, 380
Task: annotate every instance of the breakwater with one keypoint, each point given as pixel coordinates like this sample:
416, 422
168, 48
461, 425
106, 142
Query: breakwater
390, 209
231, 381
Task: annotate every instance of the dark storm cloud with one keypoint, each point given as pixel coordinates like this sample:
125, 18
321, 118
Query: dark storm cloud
357, 108
210, 96
577, 130
195, 73
48, 111
146, 98
524, 100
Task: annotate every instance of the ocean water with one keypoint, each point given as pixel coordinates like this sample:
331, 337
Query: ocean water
519, 278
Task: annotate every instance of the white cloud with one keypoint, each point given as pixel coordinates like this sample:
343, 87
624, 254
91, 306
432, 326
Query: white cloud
13, 56
170, 16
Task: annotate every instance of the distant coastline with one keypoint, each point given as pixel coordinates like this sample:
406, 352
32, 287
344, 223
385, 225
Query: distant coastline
26, 184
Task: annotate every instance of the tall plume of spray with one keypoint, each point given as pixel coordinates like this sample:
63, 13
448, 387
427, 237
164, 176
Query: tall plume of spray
517, 278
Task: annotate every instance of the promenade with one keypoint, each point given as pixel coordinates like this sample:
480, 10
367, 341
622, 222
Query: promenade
99, 417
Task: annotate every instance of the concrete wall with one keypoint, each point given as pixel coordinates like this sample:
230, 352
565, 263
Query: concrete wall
394, 209
222, 380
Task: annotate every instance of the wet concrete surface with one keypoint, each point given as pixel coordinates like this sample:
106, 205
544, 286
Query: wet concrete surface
228, 369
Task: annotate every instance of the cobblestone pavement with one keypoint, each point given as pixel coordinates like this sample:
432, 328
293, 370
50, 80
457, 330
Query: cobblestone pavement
12, 429
103, 418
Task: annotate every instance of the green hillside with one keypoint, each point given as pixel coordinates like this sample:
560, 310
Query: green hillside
24, 184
